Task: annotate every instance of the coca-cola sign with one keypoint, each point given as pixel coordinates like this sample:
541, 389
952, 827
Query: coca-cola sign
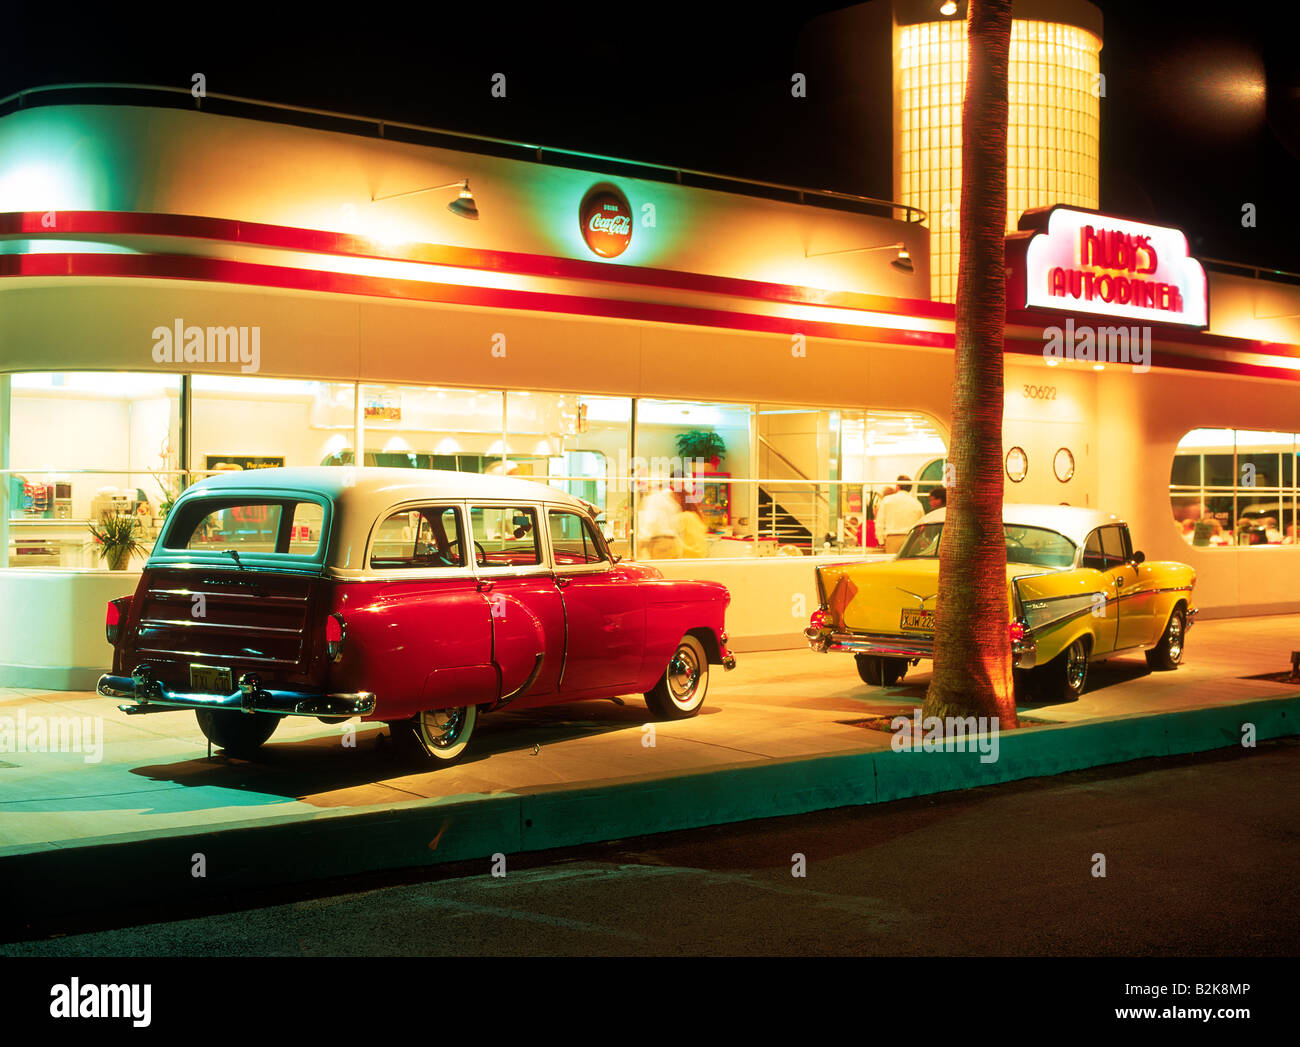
606, 221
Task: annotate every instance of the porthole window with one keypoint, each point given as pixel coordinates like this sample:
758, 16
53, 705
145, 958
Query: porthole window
1063, 464
1017, 464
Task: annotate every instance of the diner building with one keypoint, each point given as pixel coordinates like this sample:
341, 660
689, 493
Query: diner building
195, 285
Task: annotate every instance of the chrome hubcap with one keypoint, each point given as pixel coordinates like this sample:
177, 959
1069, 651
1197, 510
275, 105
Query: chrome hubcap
1175, 635
683, 675
1076, 666
443, 727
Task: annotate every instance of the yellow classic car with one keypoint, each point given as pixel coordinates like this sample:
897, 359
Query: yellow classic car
1076, 593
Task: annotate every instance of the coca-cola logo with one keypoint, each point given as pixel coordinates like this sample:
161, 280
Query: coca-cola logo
606, 221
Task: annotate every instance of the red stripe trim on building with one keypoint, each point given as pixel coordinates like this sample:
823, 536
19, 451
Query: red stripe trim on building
129, 223
193, 267
31, 224
213, 270
1044, 318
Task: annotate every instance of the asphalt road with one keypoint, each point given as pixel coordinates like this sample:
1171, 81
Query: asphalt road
1200, 859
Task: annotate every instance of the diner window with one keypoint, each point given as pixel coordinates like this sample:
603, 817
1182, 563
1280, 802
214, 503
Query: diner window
240, 423
577, 443
81, 445
427, 427
423, 538
875, 448
505, 537
695, 458
573, 540
1236, 487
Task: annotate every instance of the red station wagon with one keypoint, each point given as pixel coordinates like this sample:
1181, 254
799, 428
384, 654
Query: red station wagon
414, 597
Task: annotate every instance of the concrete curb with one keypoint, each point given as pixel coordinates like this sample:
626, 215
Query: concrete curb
108, 873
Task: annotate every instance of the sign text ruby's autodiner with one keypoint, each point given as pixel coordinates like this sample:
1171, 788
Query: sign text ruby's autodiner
1115, 254
1071, 260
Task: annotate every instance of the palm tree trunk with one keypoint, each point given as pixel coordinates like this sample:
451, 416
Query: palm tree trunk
972, 651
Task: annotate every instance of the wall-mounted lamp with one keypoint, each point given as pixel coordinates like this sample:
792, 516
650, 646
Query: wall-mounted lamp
903, 263
948, 8
463, 205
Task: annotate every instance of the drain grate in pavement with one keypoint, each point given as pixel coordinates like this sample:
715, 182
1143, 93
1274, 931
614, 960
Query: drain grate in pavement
882, 723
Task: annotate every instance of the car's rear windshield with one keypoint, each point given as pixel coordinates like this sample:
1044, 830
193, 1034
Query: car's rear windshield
247, 524
1025, 545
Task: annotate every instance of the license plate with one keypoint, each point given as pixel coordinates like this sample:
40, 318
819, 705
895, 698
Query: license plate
920, 620
209, 679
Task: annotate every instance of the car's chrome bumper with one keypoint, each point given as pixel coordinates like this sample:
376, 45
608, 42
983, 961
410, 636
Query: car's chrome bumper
151, 696
1023, 651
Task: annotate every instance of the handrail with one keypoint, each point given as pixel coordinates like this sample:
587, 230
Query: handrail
911, 214
1256, 270
801, 474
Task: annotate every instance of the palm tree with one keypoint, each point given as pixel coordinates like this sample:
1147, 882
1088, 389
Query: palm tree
972, 647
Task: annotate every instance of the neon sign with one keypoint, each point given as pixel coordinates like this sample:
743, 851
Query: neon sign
1084, 262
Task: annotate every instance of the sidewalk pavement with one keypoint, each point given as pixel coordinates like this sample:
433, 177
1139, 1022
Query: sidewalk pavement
775, 737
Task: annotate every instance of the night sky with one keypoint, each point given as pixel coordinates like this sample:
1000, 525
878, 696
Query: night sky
708, 87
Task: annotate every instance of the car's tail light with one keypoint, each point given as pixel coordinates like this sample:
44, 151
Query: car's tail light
1017, 631
336, 631
820, 619
113, 618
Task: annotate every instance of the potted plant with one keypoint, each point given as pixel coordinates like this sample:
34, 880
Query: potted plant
116, 537
704, 444
869, 503
171, 489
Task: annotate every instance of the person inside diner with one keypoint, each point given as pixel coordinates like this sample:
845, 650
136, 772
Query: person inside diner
899, 513
657, 534
692, 532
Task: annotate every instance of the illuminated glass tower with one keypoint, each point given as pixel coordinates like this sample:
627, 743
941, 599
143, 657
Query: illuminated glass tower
1053, 132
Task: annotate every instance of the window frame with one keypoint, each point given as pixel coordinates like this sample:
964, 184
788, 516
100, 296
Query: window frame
602, 566
418, 505
164, 555
544, 564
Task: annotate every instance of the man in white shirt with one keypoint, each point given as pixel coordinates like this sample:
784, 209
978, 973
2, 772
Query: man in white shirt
656, 523
899, 512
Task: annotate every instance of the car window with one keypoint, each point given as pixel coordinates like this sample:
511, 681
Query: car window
506, 535
305, 528
246, 524
423, 537
1115, 546
1025, 545
922, 542
1092, 552
572, 539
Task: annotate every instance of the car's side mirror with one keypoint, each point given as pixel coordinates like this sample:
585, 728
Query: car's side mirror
1139, 557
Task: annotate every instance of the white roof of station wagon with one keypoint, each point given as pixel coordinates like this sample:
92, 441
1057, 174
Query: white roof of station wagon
1073, 522
372, 489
